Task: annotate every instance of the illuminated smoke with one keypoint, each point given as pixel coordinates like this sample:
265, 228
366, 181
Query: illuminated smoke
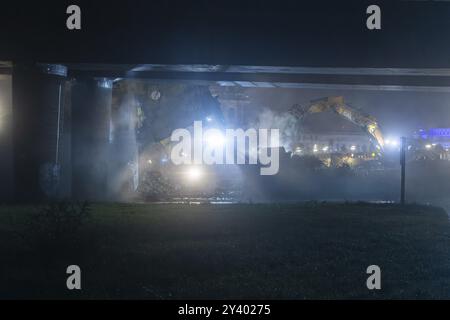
285, 122
125, 173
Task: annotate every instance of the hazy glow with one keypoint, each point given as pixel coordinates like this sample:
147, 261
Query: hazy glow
216, 140
194, 173
315, 148
392, 142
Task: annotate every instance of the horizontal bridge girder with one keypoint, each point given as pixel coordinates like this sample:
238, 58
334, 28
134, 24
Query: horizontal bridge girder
394, 79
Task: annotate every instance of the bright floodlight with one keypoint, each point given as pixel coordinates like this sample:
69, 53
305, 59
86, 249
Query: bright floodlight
215, 140
392, 142
194, 173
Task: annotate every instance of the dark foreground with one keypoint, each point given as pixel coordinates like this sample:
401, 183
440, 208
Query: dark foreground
306, 251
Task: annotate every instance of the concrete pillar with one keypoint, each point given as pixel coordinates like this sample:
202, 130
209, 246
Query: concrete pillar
6, 167
38, 113
91, 120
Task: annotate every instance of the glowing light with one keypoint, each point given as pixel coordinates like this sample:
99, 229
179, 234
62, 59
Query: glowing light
194, 173
149, 161
353, 148
373, 155
215, 140
325, 149
315, 148
428, 146
392, 142
209, 119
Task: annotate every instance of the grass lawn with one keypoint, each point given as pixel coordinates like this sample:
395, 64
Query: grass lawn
288, 251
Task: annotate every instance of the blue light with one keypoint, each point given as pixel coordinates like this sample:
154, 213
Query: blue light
435, 133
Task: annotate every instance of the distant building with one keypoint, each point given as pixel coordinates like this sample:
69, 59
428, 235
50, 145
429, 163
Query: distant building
435, 142
435, 135
334, 142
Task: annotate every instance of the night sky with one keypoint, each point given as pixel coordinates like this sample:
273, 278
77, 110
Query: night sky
285, 32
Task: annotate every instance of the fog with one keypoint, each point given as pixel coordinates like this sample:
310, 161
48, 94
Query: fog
398, 112
303, 178
135, 124
286, 123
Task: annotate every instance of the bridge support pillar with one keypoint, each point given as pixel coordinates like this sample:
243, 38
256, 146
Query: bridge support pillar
38, 118
91, 121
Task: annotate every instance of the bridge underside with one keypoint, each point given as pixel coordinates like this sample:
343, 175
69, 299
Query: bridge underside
393, 79
389, 79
